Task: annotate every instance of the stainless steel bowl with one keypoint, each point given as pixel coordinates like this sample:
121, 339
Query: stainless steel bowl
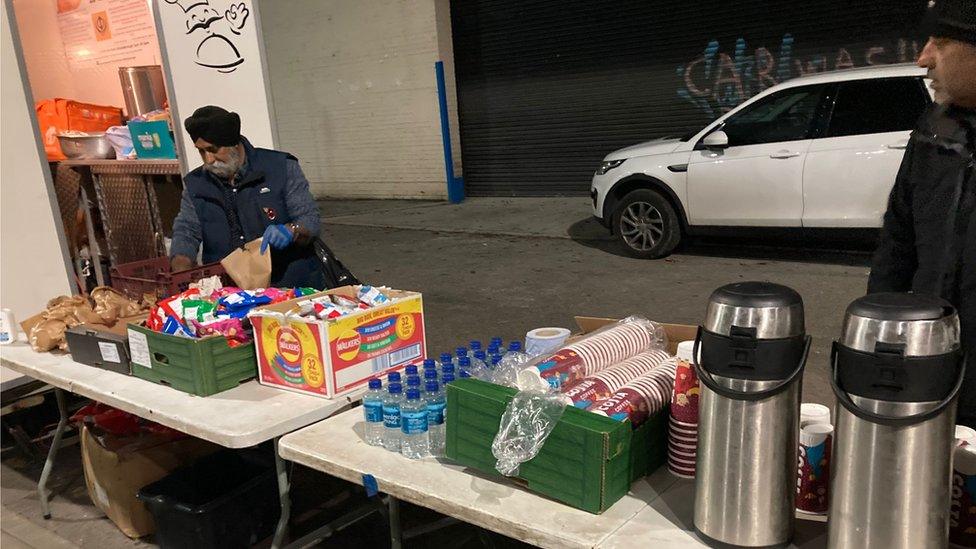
93, 145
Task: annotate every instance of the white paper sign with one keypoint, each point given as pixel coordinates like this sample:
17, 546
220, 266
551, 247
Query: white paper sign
110, 352
139, 347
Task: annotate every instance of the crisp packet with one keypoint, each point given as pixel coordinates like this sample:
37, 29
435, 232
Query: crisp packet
199, 310
243, 300
302, 292
372, 296
327, 311
277, 295
232, 329
172, 326
350, 304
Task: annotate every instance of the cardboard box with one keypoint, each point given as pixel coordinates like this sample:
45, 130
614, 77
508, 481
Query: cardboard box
105, 347
588, 461
332, 358
116, 468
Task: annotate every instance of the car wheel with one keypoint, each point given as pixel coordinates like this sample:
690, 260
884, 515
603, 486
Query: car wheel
646, 224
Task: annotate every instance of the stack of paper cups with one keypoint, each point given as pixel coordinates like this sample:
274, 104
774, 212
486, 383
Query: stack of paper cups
814, 468
962, 510
683, 424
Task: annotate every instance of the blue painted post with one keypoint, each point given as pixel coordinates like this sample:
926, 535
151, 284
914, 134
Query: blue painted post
455, 185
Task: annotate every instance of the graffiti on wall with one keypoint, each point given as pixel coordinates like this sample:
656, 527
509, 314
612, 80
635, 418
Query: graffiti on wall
716, 81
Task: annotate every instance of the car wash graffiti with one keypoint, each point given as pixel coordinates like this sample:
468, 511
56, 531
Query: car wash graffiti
716, 81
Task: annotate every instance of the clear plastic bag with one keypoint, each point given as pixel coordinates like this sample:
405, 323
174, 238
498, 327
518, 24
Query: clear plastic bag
524, 427
506, 373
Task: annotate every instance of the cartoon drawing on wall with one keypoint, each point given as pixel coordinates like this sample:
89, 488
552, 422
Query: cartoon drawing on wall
204, 22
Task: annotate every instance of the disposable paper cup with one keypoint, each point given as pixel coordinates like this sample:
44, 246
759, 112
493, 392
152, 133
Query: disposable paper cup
811, 412
680, 455
965, 435
674, 438
684, 463
963, 505
814, 471
681, 472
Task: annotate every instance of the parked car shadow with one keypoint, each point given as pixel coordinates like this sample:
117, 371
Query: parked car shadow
804, 248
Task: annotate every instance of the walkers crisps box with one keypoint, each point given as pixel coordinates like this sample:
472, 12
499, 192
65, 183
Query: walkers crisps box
330, 358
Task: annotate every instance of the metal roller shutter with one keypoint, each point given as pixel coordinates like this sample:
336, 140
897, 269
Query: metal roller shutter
546, 88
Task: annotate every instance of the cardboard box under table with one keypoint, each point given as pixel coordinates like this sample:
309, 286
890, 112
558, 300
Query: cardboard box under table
588, 461
329, 358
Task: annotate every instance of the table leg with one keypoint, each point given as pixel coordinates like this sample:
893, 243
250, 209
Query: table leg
396, 536
284, 494
51, 454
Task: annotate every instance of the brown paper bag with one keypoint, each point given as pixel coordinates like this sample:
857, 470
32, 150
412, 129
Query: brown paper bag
249, 269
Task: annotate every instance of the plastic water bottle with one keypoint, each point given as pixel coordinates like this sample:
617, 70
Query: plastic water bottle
373, 411
475, 346
513, 347
446, 357
447, 378
416, 443
494, 349
464, 363
413, 381
411, 369
430, 375
461, 352
391, 417
393, 377
496, 342
464, 374
430, 365
436, 405
495, 359
447, 369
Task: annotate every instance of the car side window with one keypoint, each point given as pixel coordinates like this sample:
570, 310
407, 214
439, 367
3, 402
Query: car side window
877, 106
787, 115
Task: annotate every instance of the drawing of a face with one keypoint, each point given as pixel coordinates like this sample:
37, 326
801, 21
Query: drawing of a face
215, 50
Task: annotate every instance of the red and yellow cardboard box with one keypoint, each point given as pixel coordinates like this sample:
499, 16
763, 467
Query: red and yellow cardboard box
330, 358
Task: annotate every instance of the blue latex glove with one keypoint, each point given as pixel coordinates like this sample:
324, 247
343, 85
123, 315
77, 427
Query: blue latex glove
276, 236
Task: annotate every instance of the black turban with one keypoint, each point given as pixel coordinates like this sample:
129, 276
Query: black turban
214, 125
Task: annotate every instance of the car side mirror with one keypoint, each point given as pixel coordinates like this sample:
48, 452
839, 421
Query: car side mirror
716, 140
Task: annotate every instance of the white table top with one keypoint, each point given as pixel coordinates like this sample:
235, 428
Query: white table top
10, 379
243, 416
658, 508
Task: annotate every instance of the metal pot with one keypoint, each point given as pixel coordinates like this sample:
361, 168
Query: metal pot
753, 350
896, 373
91, 146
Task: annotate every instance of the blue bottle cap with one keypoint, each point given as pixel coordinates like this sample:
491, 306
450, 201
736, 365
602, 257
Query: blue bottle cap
475, 345
433, 386
495, 359
413, 381
461, 351
413, 393
445, 357
447, 368
393, 377
411, 369
375, 384
480, 355
395, 388
496, 341
464, 362
448, 377
430, 374
429, 363
515, 346
465, 373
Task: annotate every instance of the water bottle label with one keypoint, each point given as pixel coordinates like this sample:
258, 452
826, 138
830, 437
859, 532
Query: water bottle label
391, 416
414, 422
373, 411
435, 413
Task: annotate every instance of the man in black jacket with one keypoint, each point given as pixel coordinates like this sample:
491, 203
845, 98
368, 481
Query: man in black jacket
928, 243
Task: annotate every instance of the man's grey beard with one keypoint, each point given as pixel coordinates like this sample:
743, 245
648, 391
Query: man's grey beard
226, 170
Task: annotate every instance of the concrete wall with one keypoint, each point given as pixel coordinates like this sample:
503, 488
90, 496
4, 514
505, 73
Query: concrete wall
33, 262
355, 96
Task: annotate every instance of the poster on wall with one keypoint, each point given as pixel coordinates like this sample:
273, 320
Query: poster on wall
107, 32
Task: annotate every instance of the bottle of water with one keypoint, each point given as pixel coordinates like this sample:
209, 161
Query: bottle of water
495, 359
430, 375
392, 377
447, 378
464, 363
513, 347
446, 357
494, 349
410, 370
464, 374
373, 411
461, 352
415, 443
475, 346
496, 342
430, 365
447, 369
391, 417
436, 405
413, 381
479, 366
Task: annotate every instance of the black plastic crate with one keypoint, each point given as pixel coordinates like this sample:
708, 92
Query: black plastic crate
227, 499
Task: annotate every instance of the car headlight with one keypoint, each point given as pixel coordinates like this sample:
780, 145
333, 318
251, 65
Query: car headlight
608, 165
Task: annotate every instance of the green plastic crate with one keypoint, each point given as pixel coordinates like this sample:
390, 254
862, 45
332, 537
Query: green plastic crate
588, 461
198, 366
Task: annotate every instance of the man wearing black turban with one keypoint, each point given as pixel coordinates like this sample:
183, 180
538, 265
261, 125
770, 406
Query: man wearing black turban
241, 193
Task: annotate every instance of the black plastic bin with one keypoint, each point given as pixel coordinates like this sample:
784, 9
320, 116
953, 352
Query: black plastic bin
227, 499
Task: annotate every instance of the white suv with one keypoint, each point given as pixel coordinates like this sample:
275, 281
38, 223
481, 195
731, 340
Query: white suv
819, 151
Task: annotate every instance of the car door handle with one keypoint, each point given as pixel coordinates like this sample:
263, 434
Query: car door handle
784, 154
899, 145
